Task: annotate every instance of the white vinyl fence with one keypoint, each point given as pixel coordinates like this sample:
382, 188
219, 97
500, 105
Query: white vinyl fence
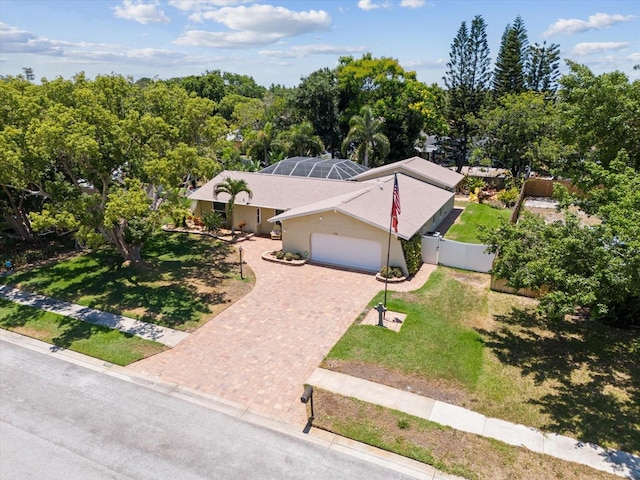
467, 256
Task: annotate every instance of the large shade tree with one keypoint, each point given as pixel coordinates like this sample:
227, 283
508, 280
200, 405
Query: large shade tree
519, 133
599, 116
409, 107
596, 267
317, 100
81, 146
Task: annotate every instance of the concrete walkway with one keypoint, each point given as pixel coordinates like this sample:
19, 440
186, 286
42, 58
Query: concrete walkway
612, 461
148, 331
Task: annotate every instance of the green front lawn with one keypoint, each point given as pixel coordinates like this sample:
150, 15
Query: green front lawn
474, 216
184, 280
486, 351
100, 342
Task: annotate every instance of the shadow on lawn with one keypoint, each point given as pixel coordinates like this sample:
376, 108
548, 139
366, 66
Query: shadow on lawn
163, 287
597, 397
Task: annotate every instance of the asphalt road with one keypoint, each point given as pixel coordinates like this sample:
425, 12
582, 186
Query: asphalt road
60, 420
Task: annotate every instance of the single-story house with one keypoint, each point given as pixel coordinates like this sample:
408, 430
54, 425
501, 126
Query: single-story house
337, 222
418, 168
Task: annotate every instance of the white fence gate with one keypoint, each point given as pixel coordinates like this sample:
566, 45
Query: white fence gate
467, 256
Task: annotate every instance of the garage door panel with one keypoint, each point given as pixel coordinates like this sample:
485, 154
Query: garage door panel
346, 251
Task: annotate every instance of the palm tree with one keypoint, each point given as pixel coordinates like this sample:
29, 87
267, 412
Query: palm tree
365, 131
259, 142
232, 187
300, 139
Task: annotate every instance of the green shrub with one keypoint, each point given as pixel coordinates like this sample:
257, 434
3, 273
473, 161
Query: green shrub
296, 256
279, 254
509, 196
212, 221
470, 184
391, 272
288, 256
412, 250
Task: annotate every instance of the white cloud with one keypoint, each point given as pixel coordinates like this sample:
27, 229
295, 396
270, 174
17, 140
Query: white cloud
202, 38
371, 5
253, 26
587, 48
306, 50
188, 5
634, 57
270, 20
141, 12
412, 3
575, 25
425, 64
14, 40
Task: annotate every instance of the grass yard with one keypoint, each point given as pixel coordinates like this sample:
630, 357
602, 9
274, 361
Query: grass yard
463, 344
100, 342
183, 281
452, 451
467, 228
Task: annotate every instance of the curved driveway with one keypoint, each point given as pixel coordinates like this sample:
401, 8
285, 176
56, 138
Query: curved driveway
261, 350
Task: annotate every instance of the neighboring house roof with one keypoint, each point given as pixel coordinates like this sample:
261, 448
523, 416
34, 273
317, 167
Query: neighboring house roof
276, 191
334, 168
419, 168
484, 172
371, 204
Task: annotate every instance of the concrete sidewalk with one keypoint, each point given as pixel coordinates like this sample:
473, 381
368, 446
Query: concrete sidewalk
148, 331
616, 462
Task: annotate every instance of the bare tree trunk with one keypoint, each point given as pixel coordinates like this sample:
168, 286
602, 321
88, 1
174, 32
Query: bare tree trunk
17, 218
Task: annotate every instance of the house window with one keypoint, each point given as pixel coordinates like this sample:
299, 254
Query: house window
221, 209
258, 216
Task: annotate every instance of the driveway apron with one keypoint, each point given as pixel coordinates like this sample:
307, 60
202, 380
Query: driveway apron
261, 350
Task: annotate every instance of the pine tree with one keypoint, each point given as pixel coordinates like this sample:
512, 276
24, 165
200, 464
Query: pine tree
543, 69
509, 74
467, 80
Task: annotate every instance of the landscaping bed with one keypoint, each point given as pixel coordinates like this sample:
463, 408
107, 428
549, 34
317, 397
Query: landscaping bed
288, 258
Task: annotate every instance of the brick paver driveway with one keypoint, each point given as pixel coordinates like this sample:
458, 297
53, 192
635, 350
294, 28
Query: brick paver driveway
261, 350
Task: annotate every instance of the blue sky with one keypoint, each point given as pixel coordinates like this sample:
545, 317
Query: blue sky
282, 41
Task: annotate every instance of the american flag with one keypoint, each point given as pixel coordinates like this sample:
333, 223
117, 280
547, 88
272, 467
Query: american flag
395, 207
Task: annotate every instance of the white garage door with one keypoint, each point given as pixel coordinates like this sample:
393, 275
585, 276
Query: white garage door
346, 251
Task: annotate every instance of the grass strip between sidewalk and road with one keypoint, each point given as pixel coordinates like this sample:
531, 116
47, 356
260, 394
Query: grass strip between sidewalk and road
96, 341
451, 451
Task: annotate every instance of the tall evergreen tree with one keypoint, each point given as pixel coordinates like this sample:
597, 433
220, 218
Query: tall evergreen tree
543, 68
509, 74
467, 80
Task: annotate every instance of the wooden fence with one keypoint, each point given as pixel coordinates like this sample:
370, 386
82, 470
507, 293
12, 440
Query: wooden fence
500, 285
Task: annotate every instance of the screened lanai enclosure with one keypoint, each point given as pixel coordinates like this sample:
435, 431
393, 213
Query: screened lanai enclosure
313, 167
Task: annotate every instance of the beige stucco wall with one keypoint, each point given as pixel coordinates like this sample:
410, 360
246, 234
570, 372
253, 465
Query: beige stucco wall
296, 235
202, 206
246, 214
440, 215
